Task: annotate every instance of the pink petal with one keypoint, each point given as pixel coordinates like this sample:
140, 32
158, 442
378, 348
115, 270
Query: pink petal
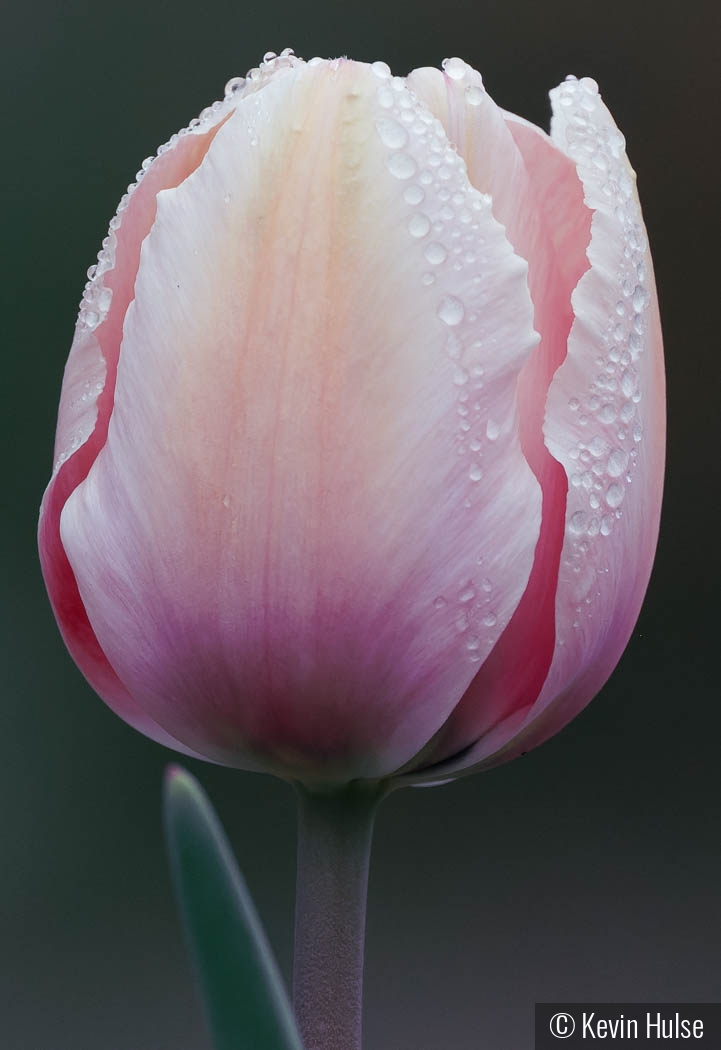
538, 198
87, 401
605, 423
280, 545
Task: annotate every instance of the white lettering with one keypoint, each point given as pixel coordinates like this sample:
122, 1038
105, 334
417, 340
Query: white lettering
676, 1027
653, 1024
603, 1028
587, 1026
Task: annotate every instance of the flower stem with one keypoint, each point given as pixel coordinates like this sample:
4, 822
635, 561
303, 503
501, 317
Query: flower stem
334, 840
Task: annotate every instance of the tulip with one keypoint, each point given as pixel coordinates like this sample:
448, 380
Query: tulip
360, 445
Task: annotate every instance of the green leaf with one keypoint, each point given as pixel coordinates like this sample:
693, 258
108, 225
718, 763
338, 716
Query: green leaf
245, 1001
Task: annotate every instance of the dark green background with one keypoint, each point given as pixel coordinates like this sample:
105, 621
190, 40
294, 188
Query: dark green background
589, 870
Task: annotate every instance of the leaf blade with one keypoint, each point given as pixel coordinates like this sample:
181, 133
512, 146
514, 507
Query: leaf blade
246, 1003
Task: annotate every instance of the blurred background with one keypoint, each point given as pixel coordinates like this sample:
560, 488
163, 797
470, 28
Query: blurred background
590, 869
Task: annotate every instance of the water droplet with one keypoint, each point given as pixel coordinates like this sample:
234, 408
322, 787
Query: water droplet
435, 253
381, 70
473, 643
628, 384
639, 298
614, 495
401, 165
617, 463
439, 603
419, 225
637, 432
413, 195
492, 430
574, 404
428, 278
226, 501
607, 413
451, 310
391, 133
455, 68
234, 85
628, 411
468, 593
578, 522
475, 473
474, 95
597, 446
606, 525
490, 619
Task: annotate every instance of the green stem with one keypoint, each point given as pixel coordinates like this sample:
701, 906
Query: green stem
334, 841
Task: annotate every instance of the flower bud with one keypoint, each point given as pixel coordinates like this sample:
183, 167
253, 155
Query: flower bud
360, 445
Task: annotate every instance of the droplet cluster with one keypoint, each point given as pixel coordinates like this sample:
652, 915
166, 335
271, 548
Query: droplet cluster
608, 412
474, 614
97, 297
445, 220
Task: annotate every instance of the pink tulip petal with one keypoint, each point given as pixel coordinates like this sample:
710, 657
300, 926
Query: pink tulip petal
86, 403
280, 545
538, 198
605, 423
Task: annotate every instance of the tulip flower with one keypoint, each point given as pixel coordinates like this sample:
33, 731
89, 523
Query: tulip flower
360, 445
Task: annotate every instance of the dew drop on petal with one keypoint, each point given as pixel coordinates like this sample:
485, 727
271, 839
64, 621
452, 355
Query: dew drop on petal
451, 310
639, 298
419, 225
234, 85
381, 70
455, 68
401, 165
413, 194
578, 522
435, 253
614, 495
392, 134
617, 463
